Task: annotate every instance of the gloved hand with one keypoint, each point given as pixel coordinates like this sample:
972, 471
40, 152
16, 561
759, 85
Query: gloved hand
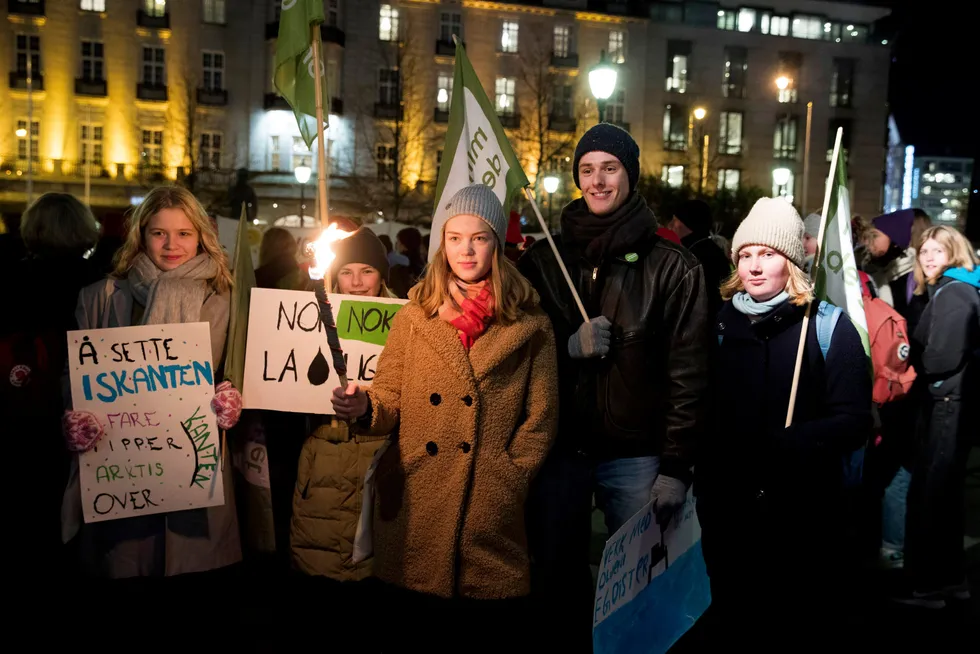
227, 405
591, 339
82, 430
668, 495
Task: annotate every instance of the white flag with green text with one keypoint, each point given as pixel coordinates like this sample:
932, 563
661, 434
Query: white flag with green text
837, 279
476, 150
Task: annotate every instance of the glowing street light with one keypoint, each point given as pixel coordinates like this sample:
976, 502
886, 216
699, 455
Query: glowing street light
21, 132
551, 183
302, 173
699, 113
783, 82
780, 176
602, 83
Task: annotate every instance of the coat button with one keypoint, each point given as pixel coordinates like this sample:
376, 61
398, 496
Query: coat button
431, 448
468, 401
435, 399
465, 447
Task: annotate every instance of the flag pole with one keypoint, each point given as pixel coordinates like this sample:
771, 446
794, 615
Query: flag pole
554, 248
813, 275
321, 168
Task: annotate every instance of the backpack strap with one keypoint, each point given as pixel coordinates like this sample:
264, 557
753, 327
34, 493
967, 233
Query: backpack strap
827, 317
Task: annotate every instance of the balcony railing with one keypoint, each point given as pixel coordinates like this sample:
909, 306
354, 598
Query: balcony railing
143, 19
28, 8
95, 87
18, 80
569, 60
151, 92
274, 101
510, 121
71, 171
333, 34
212, 97
562, 124
387, 111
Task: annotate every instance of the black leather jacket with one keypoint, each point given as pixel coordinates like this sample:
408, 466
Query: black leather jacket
644, 398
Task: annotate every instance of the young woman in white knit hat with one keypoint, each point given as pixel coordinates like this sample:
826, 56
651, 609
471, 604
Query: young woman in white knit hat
467, 382
770, 498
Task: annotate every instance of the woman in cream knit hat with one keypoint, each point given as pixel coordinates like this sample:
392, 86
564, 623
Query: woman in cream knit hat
765, 491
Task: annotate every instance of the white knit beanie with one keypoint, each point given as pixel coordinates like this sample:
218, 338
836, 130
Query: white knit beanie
811, 225
772, 222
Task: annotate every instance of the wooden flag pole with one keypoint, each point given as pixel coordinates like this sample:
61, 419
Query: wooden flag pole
813, 275
321, 168
554, 248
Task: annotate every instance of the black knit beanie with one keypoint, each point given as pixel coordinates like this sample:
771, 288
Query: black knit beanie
696, 216
361, 247
606, 137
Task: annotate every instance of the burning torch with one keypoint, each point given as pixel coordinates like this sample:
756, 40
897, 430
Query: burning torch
320, 274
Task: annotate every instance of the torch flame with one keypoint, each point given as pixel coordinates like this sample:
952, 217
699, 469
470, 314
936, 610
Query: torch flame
322, 253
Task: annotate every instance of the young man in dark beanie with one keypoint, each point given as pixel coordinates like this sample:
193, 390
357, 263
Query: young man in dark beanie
631, 379
692, 222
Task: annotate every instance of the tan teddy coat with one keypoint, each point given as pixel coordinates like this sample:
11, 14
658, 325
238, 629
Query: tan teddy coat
472, 430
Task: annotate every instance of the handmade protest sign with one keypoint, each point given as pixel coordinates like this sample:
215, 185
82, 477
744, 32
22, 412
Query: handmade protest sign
287, 360
652, 585
150, 387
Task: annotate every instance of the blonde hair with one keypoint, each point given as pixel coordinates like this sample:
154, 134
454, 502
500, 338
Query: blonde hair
57, 224
511, 291
799, 286
173, 197
959, 252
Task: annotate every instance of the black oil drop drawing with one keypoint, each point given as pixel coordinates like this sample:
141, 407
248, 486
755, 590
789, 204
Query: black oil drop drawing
319, 369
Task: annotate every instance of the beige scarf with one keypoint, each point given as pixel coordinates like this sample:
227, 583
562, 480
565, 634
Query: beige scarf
172, 296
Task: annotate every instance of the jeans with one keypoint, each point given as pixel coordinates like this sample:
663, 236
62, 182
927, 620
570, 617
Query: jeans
893, 511
622, 487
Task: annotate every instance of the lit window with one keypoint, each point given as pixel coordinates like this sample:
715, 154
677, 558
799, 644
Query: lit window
672, 176
807, 27
274, 152
388, 23
678, 54
562, 41
784, 138
736, 67
726, 19
213, 64
617, 47
388, 87
779, 26
746, 20
214, 11
90, 144
790, 64
730, 133
151, 153
210, 150
444, 94
34, 140
92, 5
505, 89
728, 179
508, 36
155, 8
302, 155
616, 107
28, 45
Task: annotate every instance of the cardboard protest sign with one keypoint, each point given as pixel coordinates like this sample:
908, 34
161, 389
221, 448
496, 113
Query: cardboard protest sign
652, 585
287, 361
150, 387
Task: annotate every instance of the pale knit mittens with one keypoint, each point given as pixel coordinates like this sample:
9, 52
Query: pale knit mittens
668, 495
591, 339
81, 429
227, 405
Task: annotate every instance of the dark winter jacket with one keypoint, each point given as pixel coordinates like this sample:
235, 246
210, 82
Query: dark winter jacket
946, 352
760, 485
717, 266
646, 396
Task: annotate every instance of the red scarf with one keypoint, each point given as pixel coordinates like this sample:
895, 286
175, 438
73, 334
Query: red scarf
477, 304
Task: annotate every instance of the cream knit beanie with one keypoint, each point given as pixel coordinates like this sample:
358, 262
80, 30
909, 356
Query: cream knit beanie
772, 222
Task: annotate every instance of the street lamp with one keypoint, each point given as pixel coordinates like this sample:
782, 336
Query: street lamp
302, 173
782, 83
21, 132
602, 83
699, 114
780, 178
550, 186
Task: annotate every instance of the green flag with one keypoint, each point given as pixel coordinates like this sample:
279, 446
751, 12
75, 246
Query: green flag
837, 274
240, 294
294, 63
476, 150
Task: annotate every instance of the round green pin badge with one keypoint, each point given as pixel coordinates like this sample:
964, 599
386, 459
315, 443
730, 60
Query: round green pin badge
631, 257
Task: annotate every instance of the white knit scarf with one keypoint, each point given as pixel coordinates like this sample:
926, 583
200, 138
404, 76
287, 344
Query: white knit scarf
172, 296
